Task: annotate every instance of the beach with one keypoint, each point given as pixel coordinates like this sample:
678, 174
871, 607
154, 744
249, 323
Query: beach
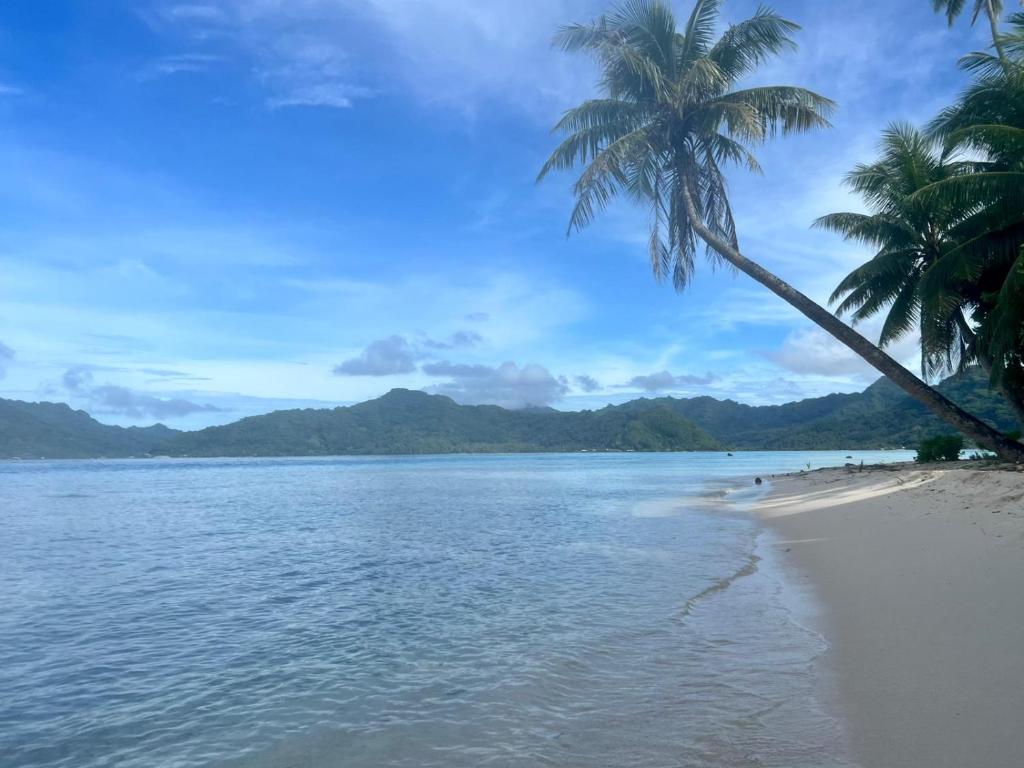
920, 572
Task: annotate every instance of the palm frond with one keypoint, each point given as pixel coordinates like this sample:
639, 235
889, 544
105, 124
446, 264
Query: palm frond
785, 109
667, 124
872, 229
602, 179
965, 192
699, 31
750, 43
591, 126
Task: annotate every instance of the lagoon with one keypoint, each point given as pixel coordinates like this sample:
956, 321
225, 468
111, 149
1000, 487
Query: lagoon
583, 609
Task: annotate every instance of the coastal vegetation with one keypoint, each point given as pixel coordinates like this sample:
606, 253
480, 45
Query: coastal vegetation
670, 118
940, 448
405, 421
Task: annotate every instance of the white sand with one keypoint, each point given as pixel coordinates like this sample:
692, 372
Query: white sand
921, 571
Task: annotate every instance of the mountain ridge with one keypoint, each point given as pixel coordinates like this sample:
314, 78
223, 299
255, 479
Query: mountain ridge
405, 421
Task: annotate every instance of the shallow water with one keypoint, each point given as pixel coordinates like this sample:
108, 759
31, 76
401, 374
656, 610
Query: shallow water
565, 610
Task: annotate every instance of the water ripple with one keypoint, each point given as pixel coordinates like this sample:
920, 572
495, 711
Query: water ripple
460, 611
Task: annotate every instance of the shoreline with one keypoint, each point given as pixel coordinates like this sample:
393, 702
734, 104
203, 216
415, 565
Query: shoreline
919, 570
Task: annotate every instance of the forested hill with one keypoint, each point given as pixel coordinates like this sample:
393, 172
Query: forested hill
881, 416
55, 431
405, 421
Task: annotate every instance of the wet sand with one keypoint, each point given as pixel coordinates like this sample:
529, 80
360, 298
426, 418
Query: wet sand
921, 572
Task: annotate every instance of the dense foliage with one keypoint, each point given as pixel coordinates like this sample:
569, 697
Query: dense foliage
940, 448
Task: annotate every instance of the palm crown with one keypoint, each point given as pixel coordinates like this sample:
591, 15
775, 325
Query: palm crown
911, 233
671, 118
988, 121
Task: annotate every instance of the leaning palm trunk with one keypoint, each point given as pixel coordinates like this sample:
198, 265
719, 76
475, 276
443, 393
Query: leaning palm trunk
971, 426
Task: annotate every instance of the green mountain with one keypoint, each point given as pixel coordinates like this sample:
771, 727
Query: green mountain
882, 416
55, 431
405, 421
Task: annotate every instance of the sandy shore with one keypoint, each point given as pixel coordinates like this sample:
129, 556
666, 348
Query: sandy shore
921, 571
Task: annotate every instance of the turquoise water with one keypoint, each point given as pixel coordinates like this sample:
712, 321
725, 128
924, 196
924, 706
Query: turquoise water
565, 610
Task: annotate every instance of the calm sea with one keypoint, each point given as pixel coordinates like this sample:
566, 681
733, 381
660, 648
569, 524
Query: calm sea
562, 610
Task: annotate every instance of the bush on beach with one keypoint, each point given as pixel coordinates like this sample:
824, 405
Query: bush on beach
940, 448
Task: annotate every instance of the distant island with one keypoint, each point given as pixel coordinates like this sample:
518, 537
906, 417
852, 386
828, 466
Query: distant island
412, 422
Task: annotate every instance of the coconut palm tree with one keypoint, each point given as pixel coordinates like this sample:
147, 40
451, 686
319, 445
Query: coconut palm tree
669, 119
912, 233
992, 9
987, 121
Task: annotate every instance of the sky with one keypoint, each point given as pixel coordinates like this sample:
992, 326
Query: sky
211, 209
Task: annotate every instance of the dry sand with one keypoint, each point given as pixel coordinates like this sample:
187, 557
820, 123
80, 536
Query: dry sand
921, 572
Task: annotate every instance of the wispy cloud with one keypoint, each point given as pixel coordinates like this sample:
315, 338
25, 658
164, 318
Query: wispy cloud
6, 356
456, 340
178, 63
456, 52
121, 401
297, 51
663, 381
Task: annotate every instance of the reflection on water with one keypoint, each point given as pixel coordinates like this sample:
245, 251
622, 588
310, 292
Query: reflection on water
434, 611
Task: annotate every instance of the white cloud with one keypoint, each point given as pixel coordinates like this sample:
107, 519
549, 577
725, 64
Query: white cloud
456, 52
112, 399
506, 385
461, 52
6, 356
384, 357
664, 381
296, 50
455, 341
179, 63
812, 351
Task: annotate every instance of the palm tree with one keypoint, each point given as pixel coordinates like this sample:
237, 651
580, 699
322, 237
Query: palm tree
667, 122
988, 122
992, 9
912, 233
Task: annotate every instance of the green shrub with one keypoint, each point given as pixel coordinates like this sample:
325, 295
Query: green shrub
940, 448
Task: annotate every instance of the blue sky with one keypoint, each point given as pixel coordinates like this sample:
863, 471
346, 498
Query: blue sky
215, 208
